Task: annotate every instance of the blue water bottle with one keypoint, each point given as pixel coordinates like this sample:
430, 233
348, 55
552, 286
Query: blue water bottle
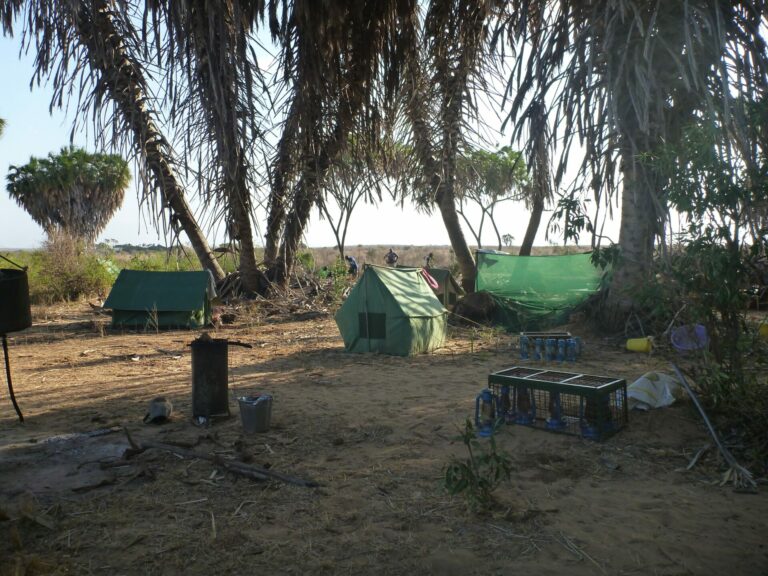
570, 350
485, 413
550, 349
524, 353
561, 350
579, 345
537, 348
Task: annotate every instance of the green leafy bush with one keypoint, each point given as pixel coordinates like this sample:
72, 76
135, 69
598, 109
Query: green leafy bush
707, 277
306, 259
340, 278
67, 269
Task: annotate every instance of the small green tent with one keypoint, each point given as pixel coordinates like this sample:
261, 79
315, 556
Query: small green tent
392, 311
448, 289
141, 299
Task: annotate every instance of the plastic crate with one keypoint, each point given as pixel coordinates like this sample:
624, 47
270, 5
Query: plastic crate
545, 335
593, 407
528, 351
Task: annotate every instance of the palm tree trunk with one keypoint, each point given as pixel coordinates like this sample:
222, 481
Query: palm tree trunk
637, 233
278, 197
304, 195
444, 193
253, 280
446, 202
217, 79
125, 81
306, 192
319, 155
451, 115
537, 209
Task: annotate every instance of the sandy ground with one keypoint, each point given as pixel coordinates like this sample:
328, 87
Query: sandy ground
375, 431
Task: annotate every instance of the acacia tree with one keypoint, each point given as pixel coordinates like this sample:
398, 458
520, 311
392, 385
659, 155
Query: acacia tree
350, 180
623, 76
73, 192
487, 179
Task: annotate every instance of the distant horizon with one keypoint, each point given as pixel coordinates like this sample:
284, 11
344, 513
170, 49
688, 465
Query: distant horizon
333, 247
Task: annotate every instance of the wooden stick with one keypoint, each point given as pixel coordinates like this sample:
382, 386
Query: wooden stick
743, 476
240, 468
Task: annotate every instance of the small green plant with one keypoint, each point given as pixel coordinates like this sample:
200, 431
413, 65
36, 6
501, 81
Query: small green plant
476, 477
306, 259
339, 274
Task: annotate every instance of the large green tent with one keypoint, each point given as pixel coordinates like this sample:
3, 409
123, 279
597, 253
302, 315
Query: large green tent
142, 299
536, 292
392, 311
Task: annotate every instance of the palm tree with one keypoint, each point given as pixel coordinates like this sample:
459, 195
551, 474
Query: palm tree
74, 41
439, 78
218, 105
340, 61
538, 192
73, 192
624, 77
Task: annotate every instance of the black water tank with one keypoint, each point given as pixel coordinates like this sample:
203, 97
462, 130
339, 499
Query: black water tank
210, 377
15, 314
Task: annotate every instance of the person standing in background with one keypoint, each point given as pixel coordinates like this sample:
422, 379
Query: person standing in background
352, 265
390, 258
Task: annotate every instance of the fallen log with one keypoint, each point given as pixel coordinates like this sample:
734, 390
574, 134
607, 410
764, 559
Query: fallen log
241, 468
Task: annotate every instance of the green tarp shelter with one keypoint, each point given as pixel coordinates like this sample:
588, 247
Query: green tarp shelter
536, 292
142, 299
448, 289
392, 311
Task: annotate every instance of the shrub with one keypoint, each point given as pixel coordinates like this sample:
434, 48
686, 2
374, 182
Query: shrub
306, 259
707, 277
66, 269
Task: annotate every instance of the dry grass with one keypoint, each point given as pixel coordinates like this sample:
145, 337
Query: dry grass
414, 255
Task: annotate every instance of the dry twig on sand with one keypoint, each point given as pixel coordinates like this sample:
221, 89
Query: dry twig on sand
240, 468
737, 474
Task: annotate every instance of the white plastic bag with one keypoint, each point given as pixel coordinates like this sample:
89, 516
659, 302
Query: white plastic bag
653, 390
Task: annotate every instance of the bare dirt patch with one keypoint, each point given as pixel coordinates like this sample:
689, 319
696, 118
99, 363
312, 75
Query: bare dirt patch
375, 431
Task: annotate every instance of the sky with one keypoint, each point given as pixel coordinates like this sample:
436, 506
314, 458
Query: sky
32, 130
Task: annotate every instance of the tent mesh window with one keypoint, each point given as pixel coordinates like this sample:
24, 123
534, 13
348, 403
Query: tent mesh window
373, 325
594, 407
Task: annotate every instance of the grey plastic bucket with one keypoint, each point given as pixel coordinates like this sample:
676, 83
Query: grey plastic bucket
255, 412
